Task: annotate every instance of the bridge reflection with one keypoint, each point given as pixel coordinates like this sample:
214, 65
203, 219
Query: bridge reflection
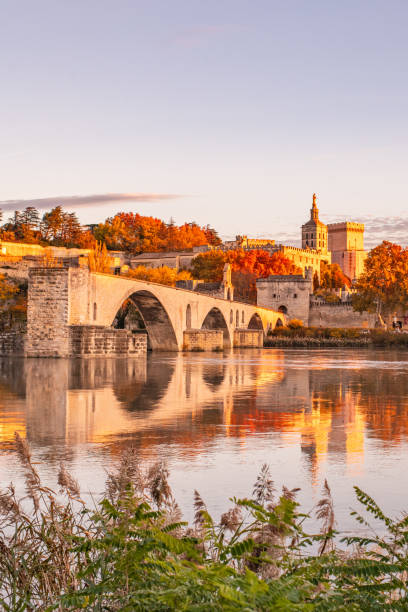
192, 401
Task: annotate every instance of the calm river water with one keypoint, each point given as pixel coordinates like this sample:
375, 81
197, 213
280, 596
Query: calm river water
215, 419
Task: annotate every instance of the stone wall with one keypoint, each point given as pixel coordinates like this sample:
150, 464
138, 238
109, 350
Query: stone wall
248, 338
12, 343
203, 340
95, 340
47, 313
322, 314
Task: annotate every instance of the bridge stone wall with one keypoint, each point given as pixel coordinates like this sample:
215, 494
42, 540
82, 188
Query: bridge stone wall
94, 340
61, 298
12, 342
48, 312
203, 340
248, 338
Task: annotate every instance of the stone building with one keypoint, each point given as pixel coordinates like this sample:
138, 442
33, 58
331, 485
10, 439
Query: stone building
171, 259
289, 294
341, 243
346, 244
293, 295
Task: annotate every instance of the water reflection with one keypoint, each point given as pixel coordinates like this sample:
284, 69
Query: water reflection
306, 410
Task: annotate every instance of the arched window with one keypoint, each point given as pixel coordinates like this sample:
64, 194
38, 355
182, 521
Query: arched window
243, 318
188, 317
231, 317
95, 311
237, 319
283, 309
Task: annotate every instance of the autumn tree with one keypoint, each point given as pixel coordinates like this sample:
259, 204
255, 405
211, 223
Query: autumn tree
99, 259
332, 277
24, 226
140, 234
383, 286
163, 275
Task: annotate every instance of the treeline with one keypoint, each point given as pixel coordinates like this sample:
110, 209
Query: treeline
125, 232
56, 227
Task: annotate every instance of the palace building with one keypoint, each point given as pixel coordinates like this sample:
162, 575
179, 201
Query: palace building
341, 243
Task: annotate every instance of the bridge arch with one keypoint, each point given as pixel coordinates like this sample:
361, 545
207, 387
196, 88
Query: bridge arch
157, 322
255, 322
216, 320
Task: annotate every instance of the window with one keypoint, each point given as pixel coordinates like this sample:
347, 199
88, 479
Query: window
188, 317
231, 317
237, 319
274, 295
243, 317
295, 295
95, 311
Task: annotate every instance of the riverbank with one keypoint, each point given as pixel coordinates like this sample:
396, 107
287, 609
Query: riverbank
309, 337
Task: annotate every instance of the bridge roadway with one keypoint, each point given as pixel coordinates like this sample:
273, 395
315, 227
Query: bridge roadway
61, 298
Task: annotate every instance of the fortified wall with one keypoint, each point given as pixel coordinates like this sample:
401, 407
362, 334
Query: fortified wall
293, 295
338, 314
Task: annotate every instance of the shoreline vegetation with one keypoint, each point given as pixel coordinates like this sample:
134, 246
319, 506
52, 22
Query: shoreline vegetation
314, 337
132, 551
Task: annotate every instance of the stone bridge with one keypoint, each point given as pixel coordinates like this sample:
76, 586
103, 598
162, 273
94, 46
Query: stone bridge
71, 312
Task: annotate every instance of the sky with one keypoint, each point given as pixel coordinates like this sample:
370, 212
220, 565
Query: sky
227, 112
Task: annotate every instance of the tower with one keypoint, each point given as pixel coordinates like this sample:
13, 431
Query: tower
314, 232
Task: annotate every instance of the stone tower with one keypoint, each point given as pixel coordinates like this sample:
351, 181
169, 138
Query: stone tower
314, 232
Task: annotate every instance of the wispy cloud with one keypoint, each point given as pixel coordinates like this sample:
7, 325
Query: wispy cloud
377, 229
86, 200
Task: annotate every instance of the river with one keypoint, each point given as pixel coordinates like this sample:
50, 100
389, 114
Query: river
215, 419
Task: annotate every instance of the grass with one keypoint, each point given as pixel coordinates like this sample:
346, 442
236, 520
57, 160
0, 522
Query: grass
133, 551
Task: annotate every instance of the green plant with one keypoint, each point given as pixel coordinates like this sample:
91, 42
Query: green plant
133, 552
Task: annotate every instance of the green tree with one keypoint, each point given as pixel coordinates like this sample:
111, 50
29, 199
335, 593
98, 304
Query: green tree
209, 266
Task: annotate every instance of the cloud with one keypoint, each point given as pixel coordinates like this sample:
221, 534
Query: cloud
87, 200
377, 229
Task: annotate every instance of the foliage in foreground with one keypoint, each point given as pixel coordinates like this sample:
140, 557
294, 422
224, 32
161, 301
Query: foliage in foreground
132, 552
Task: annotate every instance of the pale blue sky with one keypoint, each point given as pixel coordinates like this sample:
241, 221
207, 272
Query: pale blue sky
244, 108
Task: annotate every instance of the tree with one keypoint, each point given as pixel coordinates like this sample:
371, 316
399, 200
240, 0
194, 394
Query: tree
99, 259
24, 226
7, 291
383, 286
209, 266
332, 277
163, 275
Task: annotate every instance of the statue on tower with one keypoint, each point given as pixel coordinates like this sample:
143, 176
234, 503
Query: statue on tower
314, 200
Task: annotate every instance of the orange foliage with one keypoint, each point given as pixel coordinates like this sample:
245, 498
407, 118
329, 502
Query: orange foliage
139, 234
261, 263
